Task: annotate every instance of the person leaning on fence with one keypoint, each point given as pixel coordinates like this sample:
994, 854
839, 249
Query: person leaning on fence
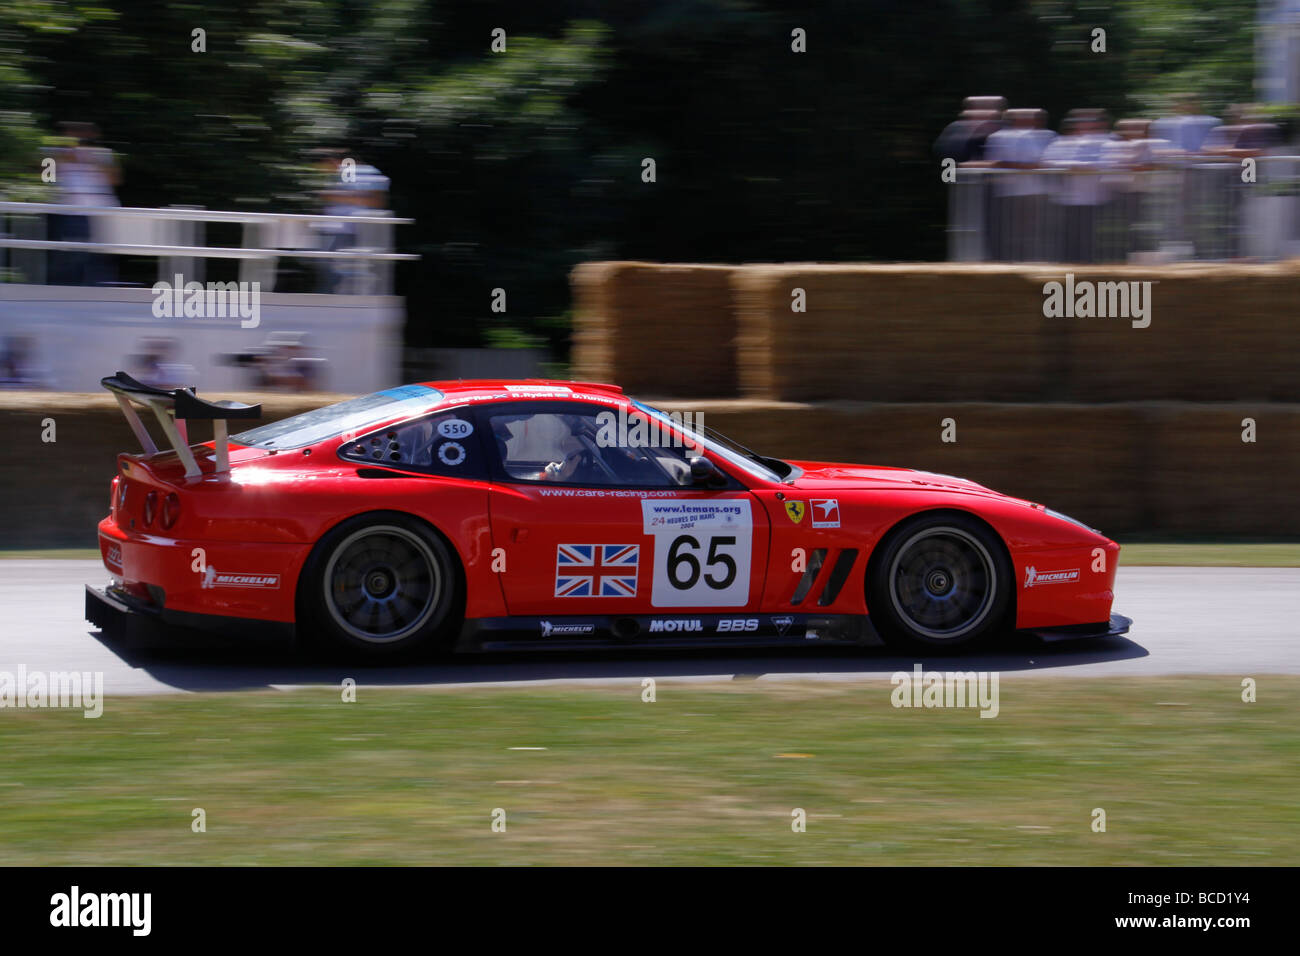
1133, 160
964, 139
1244, 136
1017, 192
1186, 128
1079, 192
85, 175
358, 190
966, 142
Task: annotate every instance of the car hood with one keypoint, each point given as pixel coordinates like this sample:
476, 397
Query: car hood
828, 476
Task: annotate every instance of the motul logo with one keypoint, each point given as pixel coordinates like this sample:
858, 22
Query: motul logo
1034, 577
656, 626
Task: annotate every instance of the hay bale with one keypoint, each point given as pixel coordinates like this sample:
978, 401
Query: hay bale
1216, 333
892, 334
1083, 460
1205, 480
669, 329
57, 492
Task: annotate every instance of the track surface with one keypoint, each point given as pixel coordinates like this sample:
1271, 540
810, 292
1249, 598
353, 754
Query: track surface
1233, 621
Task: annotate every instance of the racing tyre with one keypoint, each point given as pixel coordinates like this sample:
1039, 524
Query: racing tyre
379, 587
940, 582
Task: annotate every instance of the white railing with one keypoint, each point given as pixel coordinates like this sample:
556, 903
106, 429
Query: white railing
1193, 211
176, 237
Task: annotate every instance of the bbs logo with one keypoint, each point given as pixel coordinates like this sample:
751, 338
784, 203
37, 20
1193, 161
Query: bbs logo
737, 625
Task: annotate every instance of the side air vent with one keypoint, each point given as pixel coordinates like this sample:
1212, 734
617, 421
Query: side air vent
839, 574
809, 575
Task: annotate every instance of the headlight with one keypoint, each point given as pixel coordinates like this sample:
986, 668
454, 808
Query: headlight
1074, 521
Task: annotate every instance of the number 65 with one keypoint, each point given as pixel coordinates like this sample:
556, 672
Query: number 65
679, 555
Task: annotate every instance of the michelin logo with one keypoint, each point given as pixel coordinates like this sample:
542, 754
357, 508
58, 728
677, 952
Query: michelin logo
563, 630
212, 578
1034, 577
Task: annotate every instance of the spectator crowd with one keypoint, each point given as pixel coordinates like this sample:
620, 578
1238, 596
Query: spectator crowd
1100, 192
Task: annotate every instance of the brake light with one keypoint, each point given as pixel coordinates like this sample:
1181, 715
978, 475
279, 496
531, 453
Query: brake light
150, 507
112, 494
171, 510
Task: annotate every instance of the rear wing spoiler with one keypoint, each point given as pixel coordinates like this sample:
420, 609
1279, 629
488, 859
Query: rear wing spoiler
173, 408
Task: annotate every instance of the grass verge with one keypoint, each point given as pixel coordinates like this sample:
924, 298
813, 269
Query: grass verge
1210, 555
1186, 772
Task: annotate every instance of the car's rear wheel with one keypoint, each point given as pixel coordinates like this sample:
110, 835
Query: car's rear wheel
380, 586
940, 582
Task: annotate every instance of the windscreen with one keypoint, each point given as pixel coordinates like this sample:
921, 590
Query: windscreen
719, 445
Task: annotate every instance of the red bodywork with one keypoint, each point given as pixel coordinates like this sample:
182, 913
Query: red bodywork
251, 530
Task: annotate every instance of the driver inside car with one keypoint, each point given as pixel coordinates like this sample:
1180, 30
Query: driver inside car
567, 467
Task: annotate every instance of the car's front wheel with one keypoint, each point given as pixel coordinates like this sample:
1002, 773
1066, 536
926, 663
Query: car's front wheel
941, 582
379, 586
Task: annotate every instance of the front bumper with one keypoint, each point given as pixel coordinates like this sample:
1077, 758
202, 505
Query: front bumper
1117, 625
124, 618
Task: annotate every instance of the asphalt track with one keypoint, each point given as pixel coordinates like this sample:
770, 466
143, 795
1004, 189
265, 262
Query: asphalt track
1233, 621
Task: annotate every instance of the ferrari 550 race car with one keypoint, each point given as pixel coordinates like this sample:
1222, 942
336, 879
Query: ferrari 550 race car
512, 514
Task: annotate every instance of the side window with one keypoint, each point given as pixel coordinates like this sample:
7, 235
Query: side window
441, 444
577, 445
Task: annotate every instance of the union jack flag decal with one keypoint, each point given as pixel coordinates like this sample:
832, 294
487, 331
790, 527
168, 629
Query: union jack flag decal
596, 570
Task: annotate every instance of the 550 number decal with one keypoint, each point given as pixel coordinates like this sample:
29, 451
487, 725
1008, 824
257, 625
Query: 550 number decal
702, 551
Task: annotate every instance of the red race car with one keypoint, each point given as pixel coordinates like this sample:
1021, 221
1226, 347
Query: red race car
513, 514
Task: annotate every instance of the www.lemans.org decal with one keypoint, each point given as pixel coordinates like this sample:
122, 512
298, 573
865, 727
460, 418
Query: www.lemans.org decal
702, 551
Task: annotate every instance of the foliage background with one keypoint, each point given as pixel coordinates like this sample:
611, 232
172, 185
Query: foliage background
516, 166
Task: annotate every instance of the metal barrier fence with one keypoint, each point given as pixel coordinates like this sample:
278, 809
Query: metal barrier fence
1202, 210
354, 252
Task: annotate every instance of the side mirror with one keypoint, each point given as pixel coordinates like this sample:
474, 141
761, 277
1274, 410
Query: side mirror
705, 472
